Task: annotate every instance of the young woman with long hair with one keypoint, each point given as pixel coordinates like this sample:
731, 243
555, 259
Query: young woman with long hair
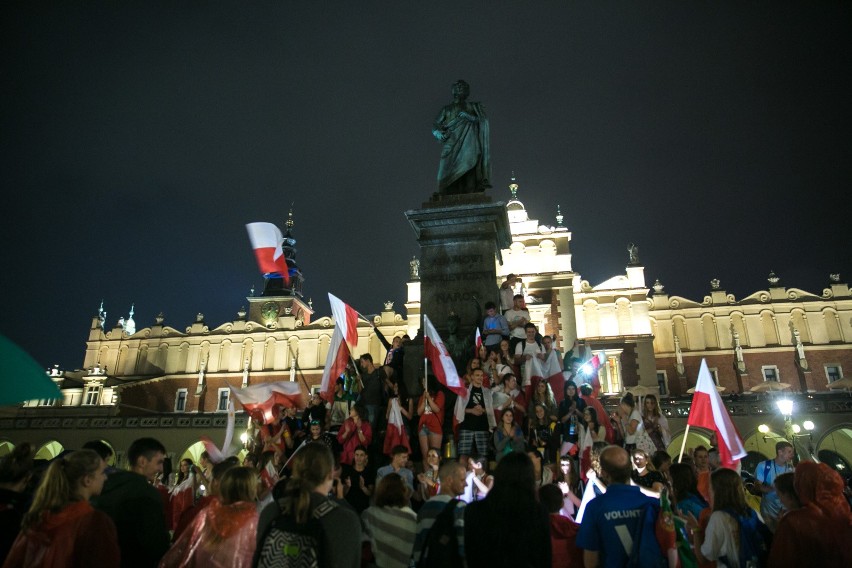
224, 533
390, 524
508, 436
305, 496
61, 528
428, 484
543, 394
518, 525
628, 421
591, 422
655, 424
721, 540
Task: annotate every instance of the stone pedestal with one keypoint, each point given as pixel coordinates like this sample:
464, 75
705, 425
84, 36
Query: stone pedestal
459, 238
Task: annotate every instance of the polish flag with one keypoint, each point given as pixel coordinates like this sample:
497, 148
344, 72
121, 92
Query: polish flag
396, 434
590, 367
477, 343
586, 453
345, 319
181, 498
709, 412
550, 371
265, 397
442, 363
266, 241
335, 364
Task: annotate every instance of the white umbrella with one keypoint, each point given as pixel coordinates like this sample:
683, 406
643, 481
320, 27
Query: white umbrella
769, 386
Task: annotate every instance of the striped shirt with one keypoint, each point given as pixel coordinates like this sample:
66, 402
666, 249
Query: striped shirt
391, 531
426, 518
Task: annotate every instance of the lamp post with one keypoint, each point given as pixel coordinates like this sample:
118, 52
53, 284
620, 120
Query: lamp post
792, 430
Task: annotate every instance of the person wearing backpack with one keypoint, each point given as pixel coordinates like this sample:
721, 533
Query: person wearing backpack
619, 527
305, 527
734, 537
440, 522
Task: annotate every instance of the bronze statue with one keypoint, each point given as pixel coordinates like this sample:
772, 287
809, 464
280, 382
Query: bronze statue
462, 128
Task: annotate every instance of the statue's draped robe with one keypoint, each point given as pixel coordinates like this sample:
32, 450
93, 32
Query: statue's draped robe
466, 149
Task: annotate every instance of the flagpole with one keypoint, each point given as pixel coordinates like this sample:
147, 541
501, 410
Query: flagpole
683, 445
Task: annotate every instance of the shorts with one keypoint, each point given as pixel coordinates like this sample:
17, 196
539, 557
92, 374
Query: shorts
467, 438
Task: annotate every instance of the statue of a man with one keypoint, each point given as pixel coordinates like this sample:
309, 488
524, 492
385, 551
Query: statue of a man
462, 128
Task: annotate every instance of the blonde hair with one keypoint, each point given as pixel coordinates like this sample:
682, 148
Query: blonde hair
238, 484
312, 467
60, 484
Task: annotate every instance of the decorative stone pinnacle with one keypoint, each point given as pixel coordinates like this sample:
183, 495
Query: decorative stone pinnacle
834, 278
658, 287
558, 216
715, 284
773, 279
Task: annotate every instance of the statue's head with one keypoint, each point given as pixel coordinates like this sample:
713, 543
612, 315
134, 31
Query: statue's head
461, 89
453, 323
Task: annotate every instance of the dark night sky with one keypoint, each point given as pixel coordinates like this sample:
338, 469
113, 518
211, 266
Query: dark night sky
138, 139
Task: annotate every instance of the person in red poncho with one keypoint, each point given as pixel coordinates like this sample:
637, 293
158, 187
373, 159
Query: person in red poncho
224, 534
820, 532
61, 528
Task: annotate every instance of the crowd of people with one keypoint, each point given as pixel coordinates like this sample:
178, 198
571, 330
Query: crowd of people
508, 474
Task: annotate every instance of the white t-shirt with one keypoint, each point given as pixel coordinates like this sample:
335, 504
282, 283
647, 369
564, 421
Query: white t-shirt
531, 349
514, 317
720, 539
628, 437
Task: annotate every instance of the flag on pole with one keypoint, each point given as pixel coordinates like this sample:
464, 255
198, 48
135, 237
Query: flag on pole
437, 354
708, 411
345, 319
550, 371
335, 364
217, 455
266, 241
477, 343
586, 453
265, 397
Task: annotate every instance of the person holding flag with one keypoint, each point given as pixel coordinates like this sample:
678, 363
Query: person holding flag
708, 411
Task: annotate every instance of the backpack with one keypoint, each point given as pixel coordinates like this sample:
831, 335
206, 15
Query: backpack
646, 551
290, 544
441, 548
755, 540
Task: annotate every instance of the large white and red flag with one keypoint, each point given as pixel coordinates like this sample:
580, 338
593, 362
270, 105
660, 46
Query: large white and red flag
345, 319
589, 368
265, 397
442, 364
335, 364
550, 371
396, 434
266, 241
708, 411
477, 343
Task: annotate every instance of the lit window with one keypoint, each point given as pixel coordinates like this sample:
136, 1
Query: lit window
770, 373
180, 400
224, 395
612, 380
833, 373
92, 396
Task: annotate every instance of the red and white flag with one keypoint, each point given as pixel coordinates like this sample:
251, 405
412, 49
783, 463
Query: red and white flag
396, 434
585, 453
442, 364
345, 319
708, 411
265, 397
550, 371
266, 241
335, 364
592, 363
477, 343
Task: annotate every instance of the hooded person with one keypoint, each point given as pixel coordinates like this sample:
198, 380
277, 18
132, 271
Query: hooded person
821, 528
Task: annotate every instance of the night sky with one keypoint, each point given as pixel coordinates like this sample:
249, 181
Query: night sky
139, 138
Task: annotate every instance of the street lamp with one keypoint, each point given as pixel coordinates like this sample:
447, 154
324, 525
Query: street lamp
793, 431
